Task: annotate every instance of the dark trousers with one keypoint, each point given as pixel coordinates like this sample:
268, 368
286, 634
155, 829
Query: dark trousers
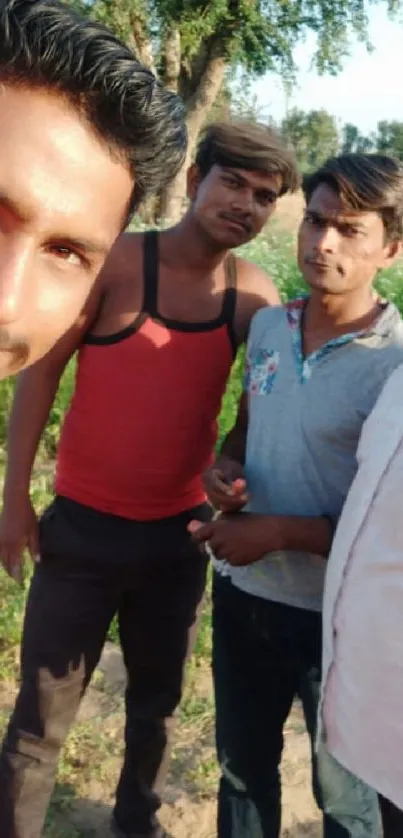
392, 819
264, 655
152, 575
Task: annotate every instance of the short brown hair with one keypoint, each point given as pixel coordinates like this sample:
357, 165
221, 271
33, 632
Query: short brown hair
365, 183
247, 145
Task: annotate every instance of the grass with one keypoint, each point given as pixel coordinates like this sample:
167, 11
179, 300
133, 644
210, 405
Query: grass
93, 751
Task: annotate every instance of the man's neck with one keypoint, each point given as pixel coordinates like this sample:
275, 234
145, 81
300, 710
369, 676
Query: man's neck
186, 244
333, 314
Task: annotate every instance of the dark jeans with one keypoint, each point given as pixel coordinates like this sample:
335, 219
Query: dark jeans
95, 566
264, 655
392, 819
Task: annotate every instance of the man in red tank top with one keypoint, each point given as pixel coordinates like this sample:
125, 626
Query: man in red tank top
155, 350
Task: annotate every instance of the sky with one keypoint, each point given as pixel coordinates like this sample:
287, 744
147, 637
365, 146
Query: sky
369, 88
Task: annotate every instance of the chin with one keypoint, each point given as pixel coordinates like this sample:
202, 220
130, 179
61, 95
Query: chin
228, 238
235, 239
325, 283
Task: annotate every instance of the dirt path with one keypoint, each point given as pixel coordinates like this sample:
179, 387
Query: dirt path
189, 810
89, 768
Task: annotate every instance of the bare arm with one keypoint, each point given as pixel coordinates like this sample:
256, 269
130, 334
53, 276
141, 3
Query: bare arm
34, 396
33, 399
300, 534
246, 538
224, 481
234, 445
256, 290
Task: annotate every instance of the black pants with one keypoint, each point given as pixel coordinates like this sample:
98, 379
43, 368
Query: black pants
265, 654
392, 819
95, 566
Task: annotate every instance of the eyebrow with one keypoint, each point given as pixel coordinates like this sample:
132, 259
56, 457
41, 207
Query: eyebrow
25, 214
89, 246
242, 180
338, 219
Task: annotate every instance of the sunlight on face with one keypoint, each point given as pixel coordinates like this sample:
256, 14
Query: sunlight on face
63, 201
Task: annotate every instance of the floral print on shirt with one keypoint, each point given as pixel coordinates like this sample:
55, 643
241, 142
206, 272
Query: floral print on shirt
261, 371
295, 310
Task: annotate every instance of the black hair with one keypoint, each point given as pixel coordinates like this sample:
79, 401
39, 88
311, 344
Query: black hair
247, 145
47, 44
365, 183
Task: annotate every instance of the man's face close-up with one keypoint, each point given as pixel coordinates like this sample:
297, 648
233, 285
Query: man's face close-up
340, 250
232, 205
63, 201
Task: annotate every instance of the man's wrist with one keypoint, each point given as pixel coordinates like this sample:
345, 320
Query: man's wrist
278, 533
303, 534
273, 532
16, 490
222, 459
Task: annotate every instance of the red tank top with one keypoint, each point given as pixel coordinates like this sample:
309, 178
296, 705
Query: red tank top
142, 423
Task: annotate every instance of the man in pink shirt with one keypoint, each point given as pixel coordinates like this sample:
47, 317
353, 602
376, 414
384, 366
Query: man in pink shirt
362, 694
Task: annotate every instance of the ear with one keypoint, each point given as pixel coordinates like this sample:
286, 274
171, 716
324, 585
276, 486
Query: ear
392, 251
193, 181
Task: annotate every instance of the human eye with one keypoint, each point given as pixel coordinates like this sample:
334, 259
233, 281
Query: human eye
67, 253
312, 220
266, 198
350, 230
230, 181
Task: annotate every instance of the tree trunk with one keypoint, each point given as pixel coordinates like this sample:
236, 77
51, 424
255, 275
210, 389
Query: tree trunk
172, 58
173, 200
142, 45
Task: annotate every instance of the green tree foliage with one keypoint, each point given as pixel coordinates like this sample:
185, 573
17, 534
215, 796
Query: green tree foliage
389, 138
313, 135
354, 141
190, 44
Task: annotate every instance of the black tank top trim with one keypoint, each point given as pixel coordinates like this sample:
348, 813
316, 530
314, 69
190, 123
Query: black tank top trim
150, 302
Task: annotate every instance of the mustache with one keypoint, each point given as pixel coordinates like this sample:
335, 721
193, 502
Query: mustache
17, 347
236, 219
323, 263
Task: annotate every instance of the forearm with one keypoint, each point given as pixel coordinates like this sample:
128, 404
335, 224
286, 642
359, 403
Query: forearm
300, 534
234, 446
308, 535
33, 400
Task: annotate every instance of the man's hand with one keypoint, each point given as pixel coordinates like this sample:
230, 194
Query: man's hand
225, 485
18, 531
240, 539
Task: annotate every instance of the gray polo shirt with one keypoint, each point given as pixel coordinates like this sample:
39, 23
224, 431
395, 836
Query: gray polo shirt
305, 419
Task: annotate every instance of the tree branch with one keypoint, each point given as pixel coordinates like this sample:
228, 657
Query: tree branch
141, 43
210, 50
206, 92
172, 58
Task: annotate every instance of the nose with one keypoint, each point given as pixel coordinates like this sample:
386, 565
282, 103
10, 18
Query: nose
243, 200
14, 279
326, 239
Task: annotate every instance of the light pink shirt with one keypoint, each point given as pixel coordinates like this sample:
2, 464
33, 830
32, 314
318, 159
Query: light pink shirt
362, 693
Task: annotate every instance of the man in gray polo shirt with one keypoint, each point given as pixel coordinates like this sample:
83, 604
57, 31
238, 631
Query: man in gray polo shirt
314, 371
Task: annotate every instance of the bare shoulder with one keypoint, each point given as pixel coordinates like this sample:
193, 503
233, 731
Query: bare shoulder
256, 290
125, 259
253, 278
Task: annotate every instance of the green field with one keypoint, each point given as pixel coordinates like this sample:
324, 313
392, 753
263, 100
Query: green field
90, 749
